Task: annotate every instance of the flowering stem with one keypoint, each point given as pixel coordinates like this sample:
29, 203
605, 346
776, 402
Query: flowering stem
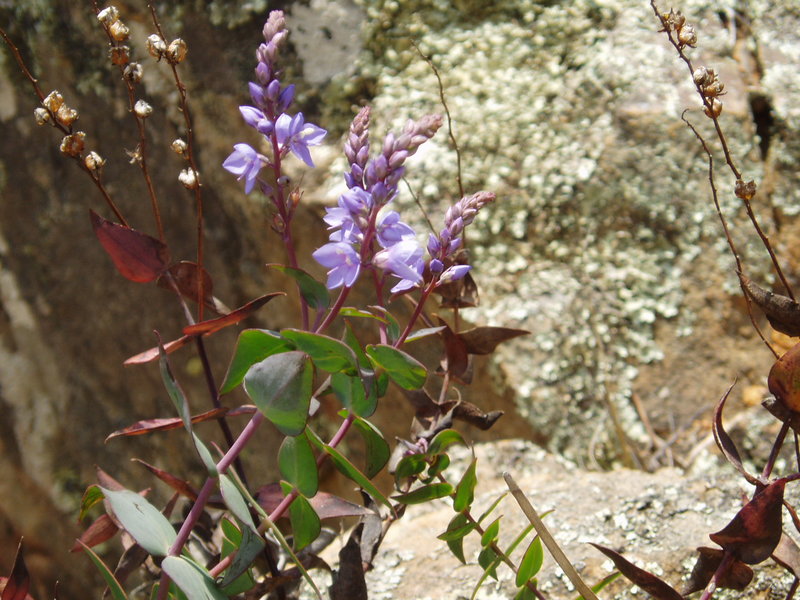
425, 294
334, 311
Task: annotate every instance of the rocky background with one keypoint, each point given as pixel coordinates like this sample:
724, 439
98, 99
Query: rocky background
603, 242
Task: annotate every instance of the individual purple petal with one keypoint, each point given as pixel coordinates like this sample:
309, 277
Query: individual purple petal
454, 273
244, 162
256, 119
256, 93
403, 260
434, 247
392, 230
343, 261
286, 97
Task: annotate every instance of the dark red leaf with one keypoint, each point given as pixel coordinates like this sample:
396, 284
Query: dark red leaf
165, 424
137, 256
456, 358
787, 554
736, 577
348, 581
185, 278
469, 413
725, 443
782, 312
483, 340
18, 582
755, 531
657, 588
784, 379
152, 353
206, 327
327, 506
107, 481
179, 485
130, 560
101, 530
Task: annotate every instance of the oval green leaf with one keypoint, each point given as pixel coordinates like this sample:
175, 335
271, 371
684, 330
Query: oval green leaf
490, 533
151, 530
378, 451
410, 465
426, 493
351, 393
313, 292
304, 519
405, 370
459, 527
280, 386
531, 562
253, 345
191, 578
328, 354
443, 440
465, 490
298, 465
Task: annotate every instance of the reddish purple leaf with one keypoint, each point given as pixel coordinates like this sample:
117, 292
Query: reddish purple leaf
483, 340
185, 278
18, 583
456, 359
782, 312
210, 326
165, 424
327, 506
179, 485
469, 413
736, 577
755, 531
107, 481
101, 530
787, 555
137, 256
784, 379
657, 588
725, 443
152, 354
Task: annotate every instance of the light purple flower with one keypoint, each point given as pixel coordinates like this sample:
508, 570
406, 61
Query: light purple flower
297, 135
392, 230
403, 260
453, 273
342, 260
244, 162
256, 119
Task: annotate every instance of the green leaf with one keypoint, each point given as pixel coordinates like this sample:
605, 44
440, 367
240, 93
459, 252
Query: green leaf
602, 583
254, 345
298, 465
465, 490
405, 370
305, 521
531, 562
114, 586
351, 393
191, 578
247, 546
142, 520
280, 386
458, 527
393, 329
490, 533
349, 311
328, 354
425, 493
378, 451
346, 468
488, 560
443, 440
91, 496
440, 463
205, 455
235, 501
410, 465
525, 593
422, 333
313, 292
489, 510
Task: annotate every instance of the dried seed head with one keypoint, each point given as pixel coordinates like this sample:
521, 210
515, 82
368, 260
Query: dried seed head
53, 101
715, 110
674, 20
700, 76
41, 115
72, 145
715, 88
687, 36
142, 109
176, 51
745, 191
156, 46
133, 72
120, 55
180, 147
66, 115
109, 15
93, 161
119, 31
189, 179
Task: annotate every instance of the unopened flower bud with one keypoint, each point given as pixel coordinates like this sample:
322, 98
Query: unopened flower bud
133, 72
53, 101
715, 110
119, 31
120, 55
72, 145
109, 15
156, 45
745, 191
142, 109
66, 115
188, 177
176, 51
180, 147
94, 161
41, 115
687, 36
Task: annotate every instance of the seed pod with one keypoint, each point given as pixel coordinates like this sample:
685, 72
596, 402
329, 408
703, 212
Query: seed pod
156, 46
687, 36
142, 109
41, 115
119, 31
133, 72
189, 179
66, 115
73, 144
180, 147
176, 51
94, 161
119, 55
700, 76
745, 191
715, 110
109, 15
53, 101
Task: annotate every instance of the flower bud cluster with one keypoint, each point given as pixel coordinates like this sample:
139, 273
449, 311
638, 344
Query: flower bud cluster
268, 114
676, 22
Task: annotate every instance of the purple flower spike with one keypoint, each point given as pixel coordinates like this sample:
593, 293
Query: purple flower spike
244, 162
297, 135
343, 262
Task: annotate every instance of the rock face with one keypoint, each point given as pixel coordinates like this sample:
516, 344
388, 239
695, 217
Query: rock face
603, 243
